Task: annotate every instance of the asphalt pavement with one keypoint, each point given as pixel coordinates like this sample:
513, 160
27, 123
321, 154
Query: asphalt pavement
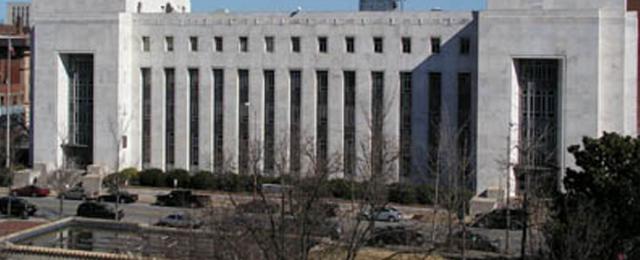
49, 208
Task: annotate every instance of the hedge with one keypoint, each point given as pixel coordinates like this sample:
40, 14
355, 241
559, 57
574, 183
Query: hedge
230, 182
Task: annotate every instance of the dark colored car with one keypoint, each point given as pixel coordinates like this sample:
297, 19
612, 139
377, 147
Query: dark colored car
396, 235
183, 198
122, 197
31, 191
19, 207
497, 219
93, 209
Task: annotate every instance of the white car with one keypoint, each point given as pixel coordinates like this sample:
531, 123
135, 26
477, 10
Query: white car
383, 214
179, 220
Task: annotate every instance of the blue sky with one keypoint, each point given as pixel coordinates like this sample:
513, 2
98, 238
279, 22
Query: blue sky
310, 5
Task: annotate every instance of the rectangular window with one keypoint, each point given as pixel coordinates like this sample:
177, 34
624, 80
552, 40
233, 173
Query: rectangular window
538, 82
295, 44
295, 79
349, 123
193, 43
435, 44
323, 45
218, 44
378, 45
80, 75
377, 102
269, 120
406, 85
464, 120
244, 44
146, 115
218, 120
435, 102
406, 45
465, 45
243, 149
168, 43
194, 119
146, 44
322, 117
269, 44
350, 43
377, 122
169, 81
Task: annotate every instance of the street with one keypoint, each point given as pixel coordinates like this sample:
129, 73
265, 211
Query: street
48, 208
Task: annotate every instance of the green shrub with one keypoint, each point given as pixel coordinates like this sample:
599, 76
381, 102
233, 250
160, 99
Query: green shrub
131, 174
152, 177
182, 176
6, 178
401, 193
424, 194
341, 188
203, 180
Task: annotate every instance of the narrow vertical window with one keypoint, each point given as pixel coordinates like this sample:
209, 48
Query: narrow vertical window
435, 102
295, 44
322, 45
193, 43
322, 116
377, 102
218, 120
168, 43
169, 81
378, 45
269, 120
243, 149
146, 115
295, 78
244, 44
406, 45
194, 93
269, 44
464, 118
435, 44
349, 123
405, 123
218, 44
350, 43
377, 122
465, 46
146, 44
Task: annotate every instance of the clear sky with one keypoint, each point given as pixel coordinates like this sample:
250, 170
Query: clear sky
310, 5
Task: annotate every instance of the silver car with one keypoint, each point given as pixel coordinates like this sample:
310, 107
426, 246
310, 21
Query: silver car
75, 193
179, 220
383, 214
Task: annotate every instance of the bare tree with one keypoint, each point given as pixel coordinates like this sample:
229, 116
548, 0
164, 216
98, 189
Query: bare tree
118, 129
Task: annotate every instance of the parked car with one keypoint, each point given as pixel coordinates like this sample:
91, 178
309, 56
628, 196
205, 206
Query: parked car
382, 214
398, 235
19, 207
75, 193
497, 219
183, 198
92, 209
257, 207
31, 191
121, 196
179, 220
